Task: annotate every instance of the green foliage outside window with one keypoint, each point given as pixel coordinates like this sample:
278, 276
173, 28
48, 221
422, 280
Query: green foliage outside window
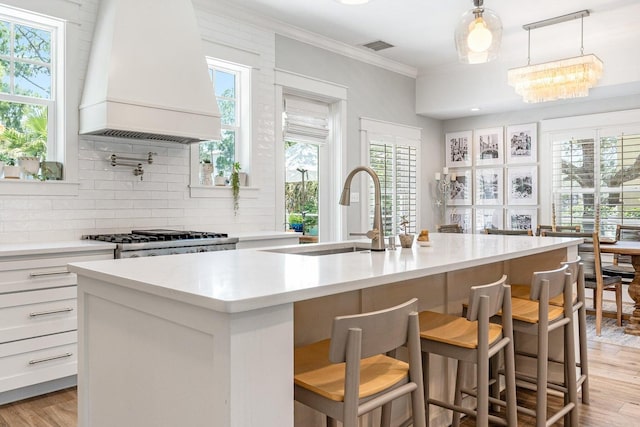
25, 78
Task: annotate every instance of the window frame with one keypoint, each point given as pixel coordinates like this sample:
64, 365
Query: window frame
409, 135
243, 129
62, 132
592, 126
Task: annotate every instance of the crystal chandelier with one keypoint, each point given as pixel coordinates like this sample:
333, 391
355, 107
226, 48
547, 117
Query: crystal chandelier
561, 79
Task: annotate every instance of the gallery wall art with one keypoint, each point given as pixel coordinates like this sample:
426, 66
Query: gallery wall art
496, 177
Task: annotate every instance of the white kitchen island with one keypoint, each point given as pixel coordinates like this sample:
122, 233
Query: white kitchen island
207, 339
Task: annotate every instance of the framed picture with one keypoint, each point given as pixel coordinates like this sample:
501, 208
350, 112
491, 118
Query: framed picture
488, 146
522, 143
522, 185
489, 186
460, 193
462, 217
458, 149
488, 218
522, 219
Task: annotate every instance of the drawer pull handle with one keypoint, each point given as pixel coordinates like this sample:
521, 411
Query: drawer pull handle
45, 313
50, 273
47, 359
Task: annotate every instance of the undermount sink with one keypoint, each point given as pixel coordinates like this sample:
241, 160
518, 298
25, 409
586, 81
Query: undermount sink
324, 249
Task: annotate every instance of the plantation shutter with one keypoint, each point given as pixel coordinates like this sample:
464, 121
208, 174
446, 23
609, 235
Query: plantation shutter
574, 161
394, 159
597, 170
305, 120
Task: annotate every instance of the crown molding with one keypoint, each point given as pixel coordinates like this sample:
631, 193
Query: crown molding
238, 13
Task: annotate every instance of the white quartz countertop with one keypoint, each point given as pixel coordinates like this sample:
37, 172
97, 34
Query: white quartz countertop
20, 249
242, 280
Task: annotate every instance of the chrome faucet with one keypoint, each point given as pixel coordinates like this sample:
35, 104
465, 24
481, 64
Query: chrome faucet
377, 234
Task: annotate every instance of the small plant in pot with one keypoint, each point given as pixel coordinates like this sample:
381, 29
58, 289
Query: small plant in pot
206, 170
219, 179
406, 239
11, 170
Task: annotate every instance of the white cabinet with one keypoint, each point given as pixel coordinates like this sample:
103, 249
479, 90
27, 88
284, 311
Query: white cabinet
38, 316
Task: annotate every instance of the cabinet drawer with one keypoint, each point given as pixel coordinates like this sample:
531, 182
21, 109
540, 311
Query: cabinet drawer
35, 313
29, 273
37, 360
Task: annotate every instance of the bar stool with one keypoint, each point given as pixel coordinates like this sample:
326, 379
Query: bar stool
474, 340
576, 268
354, 373
535, 316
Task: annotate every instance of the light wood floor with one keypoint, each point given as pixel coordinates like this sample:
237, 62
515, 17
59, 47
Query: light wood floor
615, 396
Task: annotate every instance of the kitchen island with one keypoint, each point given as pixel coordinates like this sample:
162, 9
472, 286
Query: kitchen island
207, 339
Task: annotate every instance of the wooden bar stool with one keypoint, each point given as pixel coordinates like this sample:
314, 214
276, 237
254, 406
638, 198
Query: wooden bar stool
474, 340
576, 268
354, 372
535, 316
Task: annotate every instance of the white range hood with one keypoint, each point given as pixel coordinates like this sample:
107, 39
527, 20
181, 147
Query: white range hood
147, 77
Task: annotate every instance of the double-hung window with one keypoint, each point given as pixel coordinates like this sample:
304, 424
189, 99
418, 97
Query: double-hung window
223, 153
393, 153
30, 84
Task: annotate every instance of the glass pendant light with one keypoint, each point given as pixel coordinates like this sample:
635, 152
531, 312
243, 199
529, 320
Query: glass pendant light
478, 35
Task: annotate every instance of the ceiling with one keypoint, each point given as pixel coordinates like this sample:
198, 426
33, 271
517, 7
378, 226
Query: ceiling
422, 30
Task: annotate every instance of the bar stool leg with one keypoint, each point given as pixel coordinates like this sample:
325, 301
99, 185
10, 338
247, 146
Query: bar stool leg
495, 376
584, 363
457, 397
482, 393
570, 378
510, 384
541, 384
425, 382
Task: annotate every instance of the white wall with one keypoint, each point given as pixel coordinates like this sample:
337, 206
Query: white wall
113, 199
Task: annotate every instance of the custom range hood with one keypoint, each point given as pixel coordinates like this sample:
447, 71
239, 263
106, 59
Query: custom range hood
147, 76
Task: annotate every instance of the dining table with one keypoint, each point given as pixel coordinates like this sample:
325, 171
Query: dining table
632, 248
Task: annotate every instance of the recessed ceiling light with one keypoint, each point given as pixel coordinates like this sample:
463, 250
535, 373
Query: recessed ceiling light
353, 2
475, 109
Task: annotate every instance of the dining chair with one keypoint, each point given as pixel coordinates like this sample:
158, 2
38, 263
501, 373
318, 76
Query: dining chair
559, 228
508, 232
449, 228
622, 263
475, 340
595, 278
356, 371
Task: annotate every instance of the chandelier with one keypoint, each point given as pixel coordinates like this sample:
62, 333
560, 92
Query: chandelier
561, 79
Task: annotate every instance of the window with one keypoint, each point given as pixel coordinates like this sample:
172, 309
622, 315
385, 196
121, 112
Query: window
596, 173
227, 80
306, 127
29, 69
393, 153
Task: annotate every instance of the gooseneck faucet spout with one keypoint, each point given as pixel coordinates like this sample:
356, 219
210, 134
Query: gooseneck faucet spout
377, 234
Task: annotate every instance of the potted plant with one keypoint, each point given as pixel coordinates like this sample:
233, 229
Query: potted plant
406, 239
27, 148
219, 179
11, 171
235, 185
206, 170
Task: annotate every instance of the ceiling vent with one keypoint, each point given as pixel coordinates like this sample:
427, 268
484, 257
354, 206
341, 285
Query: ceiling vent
378, 45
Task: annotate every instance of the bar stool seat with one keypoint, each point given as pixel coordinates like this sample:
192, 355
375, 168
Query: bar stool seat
315, 372
356, 371
474, 340
454, 330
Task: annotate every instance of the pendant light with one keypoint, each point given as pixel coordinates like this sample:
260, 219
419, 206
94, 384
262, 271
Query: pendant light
478, 35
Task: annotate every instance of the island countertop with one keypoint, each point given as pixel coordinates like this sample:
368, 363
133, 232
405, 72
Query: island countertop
243, 280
